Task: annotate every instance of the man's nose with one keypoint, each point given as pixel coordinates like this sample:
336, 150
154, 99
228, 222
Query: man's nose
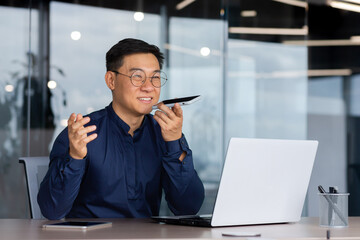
147, 85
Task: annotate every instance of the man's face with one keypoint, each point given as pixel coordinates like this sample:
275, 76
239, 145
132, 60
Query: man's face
129, 99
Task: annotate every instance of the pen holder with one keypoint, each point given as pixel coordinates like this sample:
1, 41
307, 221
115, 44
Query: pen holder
333, 209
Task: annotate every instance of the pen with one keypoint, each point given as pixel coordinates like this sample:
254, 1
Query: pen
331, 203
333, 190
333, 198
327, 234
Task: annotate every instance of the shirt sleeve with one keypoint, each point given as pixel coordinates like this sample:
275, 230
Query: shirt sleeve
183, 188
61, 184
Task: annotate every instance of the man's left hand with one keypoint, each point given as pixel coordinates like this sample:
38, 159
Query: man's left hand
170, 121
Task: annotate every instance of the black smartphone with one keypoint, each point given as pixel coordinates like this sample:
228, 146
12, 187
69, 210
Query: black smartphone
182, 101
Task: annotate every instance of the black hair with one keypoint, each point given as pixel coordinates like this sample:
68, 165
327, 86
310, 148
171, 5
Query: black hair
127, 46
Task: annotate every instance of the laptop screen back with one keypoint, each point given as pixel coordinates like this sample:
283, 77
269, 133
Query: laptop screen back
263, 181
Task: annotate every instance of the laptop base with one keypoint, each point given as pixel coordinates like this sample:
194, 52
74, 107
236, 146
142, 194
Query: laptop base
191, 220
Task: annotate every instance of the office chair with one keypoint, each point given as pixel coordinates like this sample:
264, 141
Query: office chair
35, 170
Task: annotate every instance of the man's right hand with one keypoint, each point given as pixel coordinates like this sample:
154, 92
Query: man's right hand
78, 135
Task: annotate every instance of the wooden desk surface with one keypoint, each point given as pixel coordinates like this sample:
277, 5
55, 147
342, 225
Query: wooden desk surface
307, 228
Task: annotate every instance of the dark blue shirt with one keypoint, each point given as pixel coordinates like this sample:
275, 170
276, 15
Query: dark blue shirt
122, 175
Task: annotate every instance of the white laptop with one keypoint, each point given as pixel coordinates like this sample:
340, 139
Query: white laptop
263, 181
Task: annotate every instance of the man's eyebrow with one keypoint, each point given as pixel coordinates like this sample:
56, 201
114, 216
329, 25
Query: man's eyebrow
134, 69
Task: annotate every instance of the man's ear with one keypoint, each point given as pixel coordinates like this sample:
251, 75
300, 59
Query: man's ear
110, 80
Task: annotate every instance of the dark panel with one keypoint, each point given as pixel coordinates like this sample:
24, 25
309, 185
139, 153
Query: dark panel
354, 165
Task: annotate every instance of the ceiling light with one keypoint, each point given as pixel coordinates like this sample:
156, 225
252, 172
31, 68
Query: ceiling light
269, 31
64, 122
222, 12
353, 1
296, 3
205, 51
75, 35
248, 13
344, 6
9, 88
355, 39
139, 16
329, 72
183, 4
326, 43
290, 73
51, 84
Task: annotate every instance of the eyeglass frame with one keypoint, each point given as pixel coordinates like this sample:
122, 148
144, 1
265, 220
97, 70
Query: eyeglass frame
143, 81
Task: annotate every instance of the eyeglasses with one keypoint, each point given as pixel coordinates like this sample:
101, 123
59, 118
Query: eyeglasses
138, 78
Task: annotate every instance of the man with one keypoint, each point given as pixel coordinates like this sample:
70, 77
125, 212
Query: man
116, 161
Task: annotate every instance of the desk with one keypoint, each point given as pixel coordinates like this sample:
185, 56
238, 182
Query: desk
307, 228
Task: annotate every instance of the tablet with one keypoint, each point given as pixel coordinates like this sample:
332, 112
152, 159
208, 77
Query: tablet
80, 225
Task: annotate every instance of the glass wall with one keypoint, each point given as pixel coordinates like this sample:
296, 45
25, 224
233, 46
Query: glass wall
327, 110
195, 57
266, 93
266, 85
14, 75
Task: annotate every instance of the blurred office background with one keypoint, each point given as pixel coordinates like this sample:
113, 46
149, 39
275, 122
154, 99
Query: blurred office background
285, 69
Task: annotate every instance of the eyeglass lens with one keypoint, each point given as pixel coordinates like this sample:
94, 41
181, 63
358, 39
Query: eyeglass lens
158, 79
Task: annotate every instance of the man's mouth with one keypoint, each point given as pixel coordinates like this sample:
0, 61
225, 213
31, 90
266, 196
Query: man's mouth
146, 99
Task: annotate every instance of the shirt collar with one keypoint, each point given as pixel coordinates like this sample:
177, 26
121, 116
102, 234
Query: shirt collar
118, 121
123, 125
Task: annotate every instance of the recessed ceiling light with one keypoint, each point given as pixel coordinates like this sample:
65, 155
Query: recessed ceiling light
344, 6
353, 1
296, 3
183, 4
248, 13
64, 122
75, 35
269, 31
51, 84
329, 72
355, 39
139, 16
9, 88
205, 51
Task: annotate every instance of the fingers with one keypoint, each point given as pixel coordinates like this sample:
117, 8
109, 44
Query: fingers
78, 135
76, 125
71, 118
90, 138
158, 116
170, 121
86, 130
168, 115
162, 116
177, 110
172, 113
76, 121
